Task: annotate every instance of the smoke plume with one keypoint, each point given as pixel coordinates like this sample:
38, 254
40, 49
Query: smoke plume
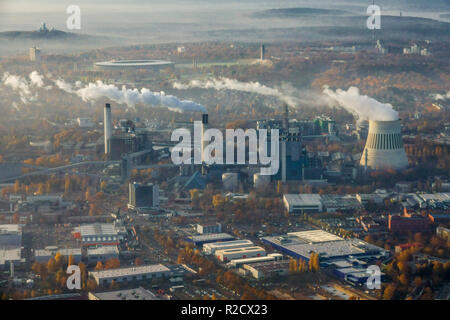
439, 96
130, 97
232, 84
24, 87
20, 84
361, 106
37, 80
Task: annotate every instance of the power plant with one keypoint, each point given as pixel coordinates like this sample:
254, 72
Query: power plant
384, 147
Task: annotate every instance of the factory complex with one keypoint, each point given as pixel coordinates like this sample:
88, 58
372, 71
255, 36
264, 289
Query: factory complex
329, 247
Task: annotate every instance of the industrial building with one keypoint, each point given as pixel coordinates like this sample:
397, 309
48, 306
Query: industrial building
384, 147
130, 274
125, 139
142, 196
264, 270
299, 203
329, 247
10, 235
370, 198
236, 263
434, 199
341, 203
209, 228
355, 276
129, 294
10, 245
199, 240
100, 234
211, 248
408, 223
43, 255
225, 255
294, 162
102, 254
8, 256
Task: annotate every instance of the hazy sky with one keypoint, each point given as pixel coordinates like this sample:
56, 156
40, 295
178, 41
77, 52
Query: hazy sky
121, 22
109, 16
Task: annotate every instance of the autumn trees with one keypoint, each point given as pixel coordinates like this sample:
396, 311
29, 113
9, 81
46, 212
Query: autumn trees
53, 275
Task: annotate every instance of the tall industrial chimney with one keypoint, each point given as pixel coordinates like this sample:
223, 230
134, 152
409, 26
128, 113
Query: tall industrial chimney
285, 137
263, 51
107, 125
384, 146
204, 128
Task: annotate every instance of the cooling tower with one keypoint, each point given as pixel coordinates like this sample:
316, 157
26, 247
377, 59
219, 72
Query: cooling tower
107, 126
384, 146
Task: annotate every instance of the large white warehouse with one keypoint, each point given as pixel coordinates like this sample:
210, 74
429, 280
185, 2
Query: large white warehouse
240, 253
211, 248
130, 274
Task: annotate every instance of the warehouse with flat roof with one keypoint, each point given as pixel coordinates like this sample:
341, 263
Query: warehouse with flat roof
211, 248
267, 269
240, 253
130, 274
129, 294
43, 255
10, 235
99, 234
199, 240
102, 254
240, 262
300, 245
299, 203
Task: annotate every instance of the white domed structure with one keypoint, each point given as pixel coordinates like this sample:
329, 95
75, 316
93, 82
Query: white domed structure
384, 147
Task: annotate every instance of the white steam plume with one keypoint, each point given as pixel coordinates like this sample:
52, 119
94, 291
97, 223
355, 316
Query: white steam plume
24, 87
130, 97
18, 83
361, 106
38, 80
232, 84
61, 84
439, 96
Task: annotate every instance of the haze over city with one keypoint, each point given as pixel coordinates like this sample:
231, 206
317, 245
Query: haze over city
225, 150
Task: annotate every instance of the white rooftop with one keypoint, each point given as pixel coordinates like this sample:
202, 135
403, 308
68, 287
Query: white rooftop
103, 250
10, 255
97, 229
130, 294
438, 197
227, 243
131, 271
211, 236
10, 228
245, 249
303, 199
315, 236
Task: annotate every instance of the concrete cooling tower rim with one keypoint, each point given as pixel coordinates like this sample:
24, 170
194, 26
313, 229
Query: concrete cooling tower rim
384, 146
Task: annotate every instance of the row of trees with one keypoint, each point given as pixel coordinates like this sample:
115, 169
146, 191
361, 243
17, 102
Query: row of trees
299, 266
